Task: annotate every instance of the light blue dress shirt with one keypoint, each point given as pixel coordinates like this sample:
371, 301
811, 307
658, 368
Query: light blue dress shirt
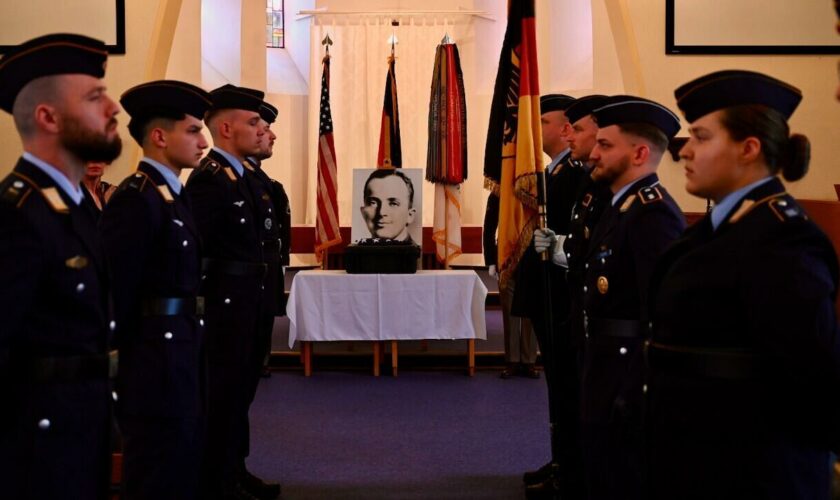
237, 165
74, 192
168, 175
721, 209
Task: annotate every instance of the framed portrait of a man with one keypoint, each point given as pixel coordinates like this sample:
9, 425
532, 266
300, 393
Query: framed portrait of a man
387, 203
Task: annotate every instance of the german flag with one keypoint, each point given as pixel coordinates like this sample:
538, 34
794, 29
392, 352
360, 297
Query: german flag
390, 147
513, 155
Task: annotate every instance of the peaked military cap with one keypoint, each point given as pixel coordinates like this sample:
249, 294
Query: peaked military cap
583, 106
49, 55
147, 100
619, 109
268, 112
233, 97
555, 102
724, 89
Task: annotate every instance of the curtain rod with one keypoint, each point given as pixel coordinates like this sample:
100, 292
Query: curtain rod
324, 12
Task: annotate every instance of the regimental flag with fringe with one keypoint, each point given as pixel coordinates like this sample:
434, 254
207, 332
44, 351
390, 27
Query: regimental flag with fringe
513, 155
326, 222
446, 160
390, 148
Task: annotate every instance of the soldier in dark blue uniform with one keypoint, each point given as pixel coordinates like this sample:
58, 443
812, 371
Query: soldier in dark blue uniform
55, 359
640, 222
565, 479
276, 255
529, 300
744, 361
235, 216
153, 250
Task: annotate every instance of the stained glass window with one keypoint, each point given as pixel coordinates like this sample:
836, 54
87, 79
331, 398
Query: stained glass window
274, 33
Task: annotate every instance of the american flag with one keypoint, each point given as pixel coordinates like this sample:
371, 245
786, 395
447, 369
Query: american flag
326, 222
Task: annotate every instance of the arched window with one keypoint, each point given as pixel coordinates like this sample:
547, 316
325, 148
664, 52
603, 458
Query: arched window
274, 32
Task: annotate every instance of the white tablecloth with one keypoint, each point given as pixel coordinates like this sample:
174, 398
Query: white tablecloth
334, 305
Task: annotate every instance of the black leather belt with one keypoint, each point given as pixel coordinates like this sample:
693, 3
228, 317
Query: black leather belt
711, 363
173, 306
233, 267
617, 328
74, 368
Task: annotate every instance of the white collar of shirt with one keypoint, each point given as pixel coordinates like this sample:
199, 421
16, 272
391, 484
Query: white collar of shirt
556, 161
235, 163
168, 175
720, 210
74, 192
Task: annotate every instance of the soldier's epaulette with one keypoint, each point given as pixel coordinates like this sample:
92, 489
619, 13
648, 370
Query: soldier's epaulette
15, 189
650, 194
785, 209
210, 165
137, 180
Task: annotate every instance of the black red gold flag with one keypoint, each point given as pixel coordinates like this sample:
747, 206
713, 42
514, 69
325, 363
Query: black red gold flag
390, 148
513, 154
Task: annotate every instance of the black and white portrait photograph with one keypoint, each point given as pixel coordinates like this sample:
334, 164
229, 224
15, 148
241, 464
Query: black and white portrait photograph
387, 203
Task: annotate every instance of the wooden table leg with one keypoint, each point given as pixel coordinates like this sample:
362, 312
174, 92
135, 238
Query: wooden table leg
377, 357
471, 357
394, 358
307, 358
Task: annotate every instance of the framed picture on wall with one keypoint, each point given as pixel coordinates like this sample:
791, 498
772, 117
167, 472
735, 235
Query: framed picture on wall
750, 27
387, 203
27, 19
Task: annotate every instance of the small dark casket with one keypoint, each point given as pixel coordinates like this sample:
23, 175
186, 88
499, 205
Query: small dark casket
381, 256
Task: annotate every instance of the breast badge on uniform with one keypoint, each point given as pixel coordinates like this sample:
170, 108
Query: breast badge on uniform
603, 285
77, 262
268, 223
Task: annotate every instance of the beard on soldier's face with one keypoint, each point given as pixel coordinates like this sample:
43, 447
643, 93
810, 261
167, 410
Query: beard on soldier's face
88, 144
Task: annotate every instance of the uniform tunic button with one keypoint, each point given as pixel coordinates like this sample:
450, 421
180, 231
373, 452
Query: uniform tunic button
644, 389
112, 325
242, 220
167, 335
80, 287
227, 301
622, 351
586, 266
115, 396
570, 235
576, 216
585, 289
201, 322
262, 287
44, 424
185, 243
269, 210
568, 255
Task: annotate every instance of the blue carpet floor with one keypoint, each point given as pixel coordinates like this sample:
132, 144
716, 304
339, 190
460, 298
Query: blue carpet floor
423, 435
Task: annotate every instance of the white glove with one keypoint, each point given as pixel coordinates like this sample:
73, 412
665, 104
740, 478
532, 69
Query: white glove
491, 270
544, 239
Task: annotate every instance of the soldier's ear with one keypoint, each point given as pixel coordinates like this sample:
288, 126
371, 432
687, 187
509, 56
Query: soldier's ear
157, 137
46, 118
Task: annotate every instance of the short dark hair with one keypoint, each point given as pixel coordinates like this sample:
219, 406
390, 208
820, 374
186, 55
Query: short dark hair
381, 173
139, 127
782, 151
648, 132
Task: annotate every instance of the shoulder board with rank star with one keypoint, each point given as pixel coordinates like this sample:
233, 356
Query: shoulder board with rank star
137, 181
15, 190
650, 194
211, 165
786, 209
